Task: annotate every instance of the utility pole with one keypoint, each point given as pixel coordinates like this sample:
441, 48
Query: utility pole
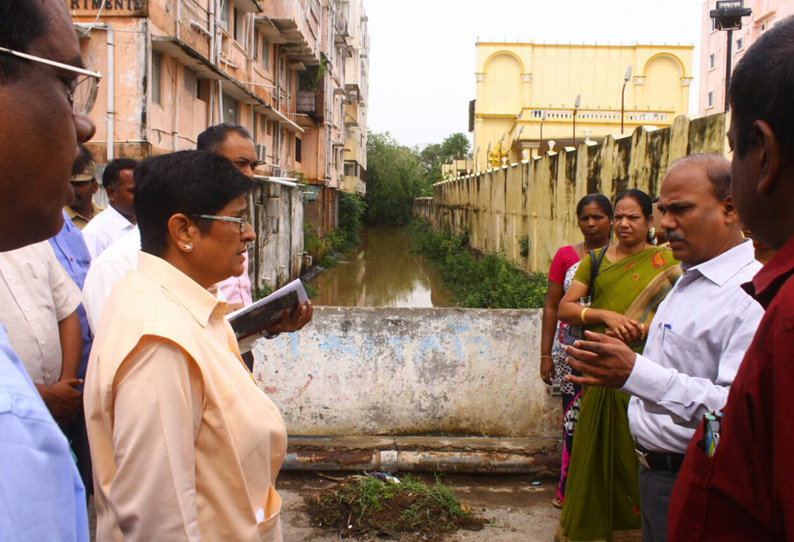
728, 16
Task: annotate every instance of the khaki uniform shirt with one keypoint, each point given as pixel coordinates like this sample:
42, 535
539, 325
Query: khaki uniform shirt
184, 444
79, 220
36, 294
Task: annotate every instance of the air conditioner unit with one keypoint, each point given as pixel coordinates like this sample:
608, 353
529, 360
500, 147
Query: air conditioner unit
261, 153
279, 172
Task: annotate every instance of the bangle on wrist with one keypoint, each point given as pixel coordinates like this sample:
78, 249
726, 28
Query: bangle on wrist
541, 357
581, 316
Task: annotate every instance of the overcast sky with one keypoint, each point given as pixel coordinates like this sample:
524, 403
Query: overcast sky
422, 57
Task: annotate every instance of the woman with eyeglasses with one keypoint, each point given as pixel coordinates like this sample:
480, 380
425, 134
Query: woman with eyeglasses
185, 445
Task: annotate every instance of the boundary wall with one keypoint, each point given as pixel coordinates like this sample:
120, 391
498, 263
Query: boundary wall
535, 201
356, 372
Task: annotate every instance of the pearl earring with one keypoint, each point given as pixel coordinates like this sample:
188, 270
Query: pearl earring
188, 247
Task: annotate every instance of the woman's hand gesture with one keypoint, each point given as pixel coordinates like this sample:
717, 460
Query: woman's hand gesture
622, 327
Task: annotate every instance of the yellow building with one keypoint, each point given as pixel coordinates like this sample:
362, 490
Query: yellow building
527, 94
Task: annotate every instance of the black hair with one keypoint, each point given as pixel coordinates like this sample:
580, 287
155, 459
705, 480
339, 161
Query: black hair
189, 182
213, 137
599, 199
718, 171
643, 199
21, 22
110, 177
761, 88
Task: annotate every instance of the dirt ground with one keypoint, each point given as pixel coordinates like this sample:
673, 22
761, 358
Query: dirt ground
519, 510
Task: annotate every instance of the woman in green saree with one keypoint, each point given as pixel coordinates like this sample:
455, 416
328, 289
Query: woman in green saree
602, 497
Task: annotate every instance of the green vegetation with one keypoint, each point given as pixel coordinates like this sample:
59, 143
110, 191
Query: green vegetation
523, 244
394, 179
310, 78
397, 174
340, 240
351, 212
489, 281
435, 154
262, 291
379, 505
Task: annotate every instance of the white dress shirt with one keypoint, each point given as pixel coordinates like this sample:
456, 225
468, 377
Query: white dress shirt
695, 345
36, 294
107, 270
104, 229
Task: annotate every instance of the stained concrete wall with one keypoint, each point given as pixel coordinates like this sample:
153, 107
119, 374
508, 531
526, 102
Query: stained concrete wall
537, 199
395, 371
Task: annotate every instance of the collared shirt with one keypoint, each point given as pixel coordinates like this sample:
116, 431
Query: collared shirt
105, 228
695, 344
73, 256
122, 257
41, 491
165, 381
107, 270
36, 294
79, 220
238, 289
745, 492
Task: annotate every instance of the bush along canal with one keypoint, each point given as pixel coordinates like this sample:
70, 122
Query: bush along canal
487, 281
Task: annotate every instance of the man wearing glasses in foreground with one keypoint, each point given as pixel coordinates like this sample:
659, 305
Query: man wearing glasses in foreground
45, 96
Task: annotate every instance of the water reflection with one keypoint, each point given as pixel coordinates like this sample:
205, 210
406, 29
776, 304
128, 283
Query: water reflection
381, 273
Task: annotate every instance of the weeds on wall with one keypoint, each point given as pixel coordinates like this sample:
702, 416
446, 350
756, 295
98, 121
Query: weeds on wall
340, 240
477, 281
523, 245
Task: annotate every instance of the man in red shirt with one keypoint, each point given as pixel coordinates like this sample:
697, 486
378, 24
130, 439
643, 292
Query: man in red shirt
744, 490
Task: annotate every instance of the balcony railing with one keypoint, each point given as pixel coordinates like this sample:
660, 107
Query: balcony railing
311, 103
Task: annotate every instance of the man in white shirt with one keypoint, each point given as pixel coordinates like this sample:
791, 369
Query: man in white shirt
697, 339
119, 217
39, 303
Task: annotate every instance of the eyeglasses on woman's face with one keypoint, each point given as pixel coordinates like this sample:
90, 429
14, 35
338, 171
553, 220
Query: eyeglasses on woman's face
241, 221
82, 90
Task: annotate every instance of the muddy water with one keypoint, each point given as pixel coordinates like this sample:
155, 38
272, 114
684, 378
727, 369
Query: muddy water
382, 273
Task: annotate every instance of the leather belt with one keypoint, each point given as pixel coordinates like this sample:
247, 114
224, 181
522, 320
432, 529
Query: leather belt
659, 461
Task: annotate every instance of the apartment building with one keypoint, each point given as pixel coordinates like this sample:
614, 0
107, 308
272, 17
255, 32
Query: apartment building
173, 67
714, 47
535, 96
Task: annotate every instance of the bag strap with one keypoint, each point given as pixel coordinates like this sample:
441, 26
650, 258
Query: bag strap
595, 264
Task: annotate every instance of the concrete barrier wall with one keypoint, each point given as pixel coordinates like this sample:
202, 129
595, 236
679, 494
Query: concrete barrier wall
536, 199
395, 371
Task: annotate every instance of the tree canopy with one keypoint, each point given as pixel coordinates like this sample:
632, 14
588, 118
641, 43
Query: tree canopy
397, 174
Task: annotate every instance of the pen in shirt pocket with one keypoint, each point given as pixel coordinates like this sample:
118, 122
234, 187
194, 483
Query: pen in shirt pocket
665, 329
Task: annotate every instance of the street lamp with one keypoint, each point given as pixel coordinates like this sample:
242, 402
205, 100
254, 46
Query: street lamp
576, 105
626, 79
728, 16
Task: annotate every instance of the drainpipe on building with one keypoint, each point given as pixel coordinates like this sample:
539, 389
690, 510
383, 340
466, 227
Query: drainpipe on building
211, 26
175, 119
178, 19
111, 103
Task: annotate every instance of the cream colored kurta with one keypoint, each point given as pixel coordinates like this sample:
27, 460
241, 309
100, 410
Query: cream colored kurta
185, 446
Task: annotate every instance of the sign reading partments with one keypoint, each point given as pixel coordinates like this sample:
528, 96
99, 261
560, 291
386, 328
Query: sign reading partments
109, 8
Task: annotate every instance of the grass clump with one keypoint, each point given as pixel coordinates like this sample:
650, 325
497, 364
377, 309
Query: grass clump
487, 281
379, 505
